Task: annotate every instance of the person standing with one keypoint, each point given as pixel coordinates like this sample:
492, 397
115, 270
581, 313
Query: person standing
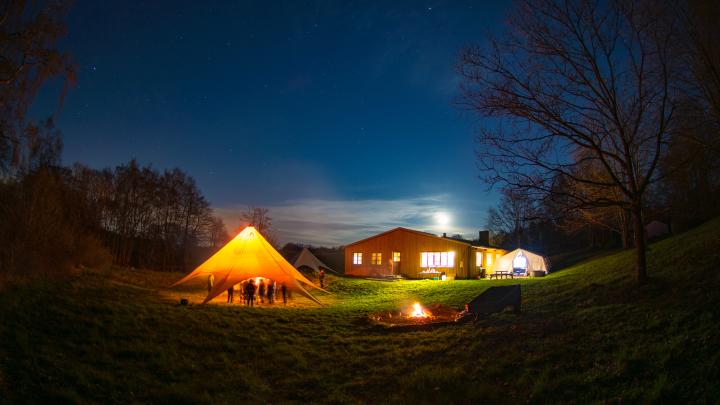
283, 290
211, 282
322, 278
250, 291
261, 291
230, 295
270, 292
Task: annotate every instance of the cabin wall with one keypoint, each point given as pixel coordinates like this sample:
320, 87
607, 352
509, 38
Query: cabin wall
410, 245
489, 256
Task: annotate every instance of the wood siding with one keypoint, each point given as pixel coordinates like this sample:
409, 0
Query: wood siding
411, 244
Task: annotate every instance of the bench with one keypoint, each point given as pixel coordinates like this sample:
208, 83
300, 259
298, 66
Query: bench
502, 274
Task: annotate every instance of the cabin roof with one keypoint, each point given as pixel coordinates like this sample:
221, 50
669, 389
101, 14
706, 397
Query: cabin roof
411, 231
400, 228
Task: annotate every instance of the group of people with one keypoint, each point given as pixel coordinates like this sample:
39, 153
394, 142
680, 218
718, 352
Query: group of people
252, 292
260, 292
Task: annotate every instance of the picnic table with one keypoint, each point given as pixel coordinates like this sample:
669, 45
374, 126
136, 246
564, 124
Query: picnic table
502, 274
430, 274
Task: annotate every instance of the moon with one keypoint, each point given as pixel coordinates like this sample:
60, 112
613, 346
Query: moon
442, 218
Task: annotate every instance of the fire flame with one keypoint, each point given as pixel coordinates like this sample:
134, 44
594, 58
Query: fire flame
418, 311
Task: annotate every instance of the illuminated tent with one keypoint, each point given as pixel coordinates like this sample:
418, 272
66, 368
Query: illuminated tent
307, 258
521, 259
249, 255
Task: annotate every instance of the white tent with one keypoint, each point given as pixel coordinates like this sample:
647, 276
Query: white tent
521, 259
307, 258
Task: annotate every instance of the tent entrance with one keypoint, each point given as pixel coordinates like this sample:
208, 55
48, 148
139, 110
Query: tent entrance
520, 264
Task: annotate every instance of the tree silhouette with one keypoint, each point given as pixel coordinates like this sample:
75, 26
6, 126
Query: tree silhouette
574, 83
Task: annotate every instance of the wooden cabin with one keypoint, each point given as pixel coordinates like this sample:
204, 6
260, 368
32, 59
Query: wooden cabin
416, 254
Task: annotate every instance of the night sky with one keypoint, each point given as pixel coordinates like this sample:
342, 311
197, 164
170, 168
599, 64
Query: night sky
337, 116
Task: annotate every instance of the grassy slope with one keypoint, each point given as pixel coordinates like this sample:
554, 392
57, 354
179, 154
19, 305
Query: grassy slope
585, 334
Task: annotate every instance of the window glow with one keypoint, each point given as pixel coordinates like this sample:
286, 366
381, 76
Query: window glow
396, 256
489, 260
357, 258
376, 258
478, 259
437, 259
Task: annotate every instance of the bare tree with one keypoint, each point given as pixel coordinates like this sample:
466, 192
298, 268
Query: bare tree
612, 217
511, 218
575, 82
215, 232
29, 33
259, 219
701, 53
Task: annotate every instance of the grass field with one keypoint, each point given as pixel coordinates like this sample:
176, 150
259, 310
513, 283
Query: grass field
585, 334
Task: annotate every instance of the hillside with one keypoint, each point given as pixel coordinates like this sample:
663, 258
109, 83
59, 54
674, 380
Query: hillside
585, 334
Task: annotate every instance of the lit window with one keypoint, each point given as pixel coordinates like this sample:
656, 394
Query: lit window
396, 256
376, 258
357, 258
489, 260
437, 259
478, 259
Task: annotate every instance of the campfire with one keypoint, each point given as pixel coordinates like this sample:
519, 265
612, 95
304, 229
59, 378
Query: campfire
415, 315
418, 311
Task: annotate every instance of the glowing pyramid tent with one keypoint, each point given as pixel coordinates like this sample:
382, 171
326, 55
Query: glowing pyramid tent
307, 258
521, 259
249, 255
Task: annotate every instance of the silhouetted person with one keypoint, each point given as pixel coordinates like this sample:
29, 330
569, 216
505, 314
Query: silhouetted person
271, 292
322, 278
211, 282
243, 291
230, 295
261, 291
283, 290
250, 292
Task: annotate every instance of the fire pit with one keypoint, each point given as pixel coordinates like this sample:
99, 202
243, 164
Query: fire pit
416, 316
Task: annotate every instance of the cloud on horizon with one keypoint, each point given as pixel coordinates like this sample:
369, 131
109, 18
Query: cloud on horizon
325, 222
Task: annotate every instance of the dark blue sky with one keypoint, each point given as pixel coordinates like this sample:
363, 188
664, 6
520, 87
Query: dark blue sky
338, 116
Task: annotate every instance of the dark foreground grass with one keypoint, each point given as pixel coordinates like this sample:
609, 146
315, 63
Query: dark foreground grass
585, 334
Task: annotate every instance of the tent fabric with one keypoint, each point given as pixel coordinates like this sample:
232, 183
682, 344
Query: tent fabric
249, 255
307, 258
533, 261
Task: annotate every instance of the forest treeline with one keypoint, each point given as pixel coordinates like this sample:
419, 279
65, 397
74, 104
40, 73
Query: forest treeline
53, 218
